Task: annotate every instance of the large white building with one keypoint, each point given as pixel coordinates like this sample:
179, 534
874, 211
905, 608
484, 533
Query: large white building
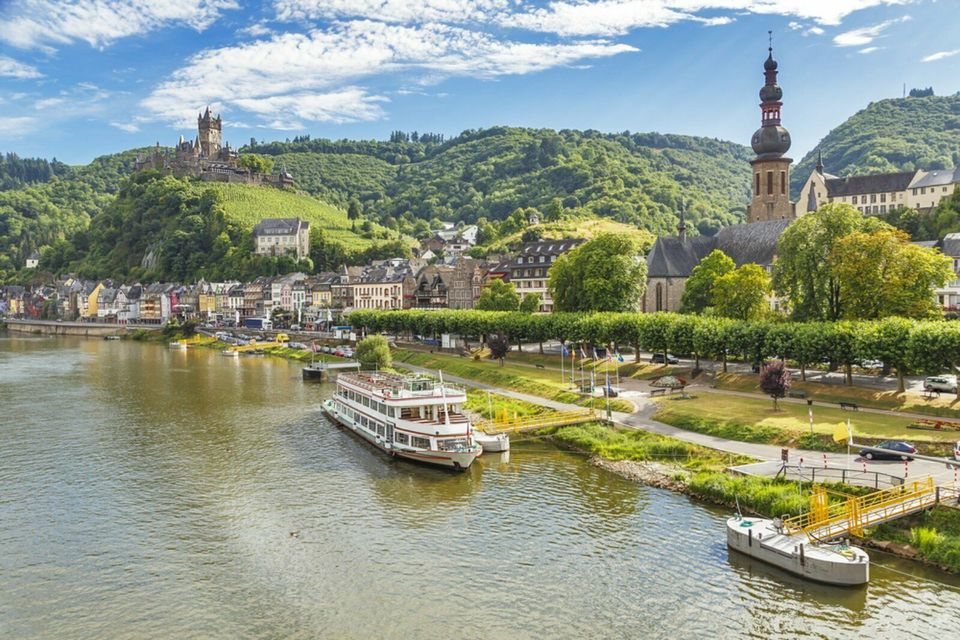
529, 269
282, 236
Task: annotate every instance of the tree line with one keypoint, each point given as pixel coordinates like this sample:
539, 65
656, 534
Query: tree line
904, 345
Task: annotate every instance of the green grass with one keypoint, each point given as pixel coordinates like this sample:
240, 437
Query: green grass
935, 534
947, 405
489, 405
615, 443
249, 205
754, 420
586, 228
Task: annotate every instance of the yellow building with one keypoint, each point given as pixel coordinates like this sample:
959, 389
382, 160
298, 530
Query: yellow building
89, 301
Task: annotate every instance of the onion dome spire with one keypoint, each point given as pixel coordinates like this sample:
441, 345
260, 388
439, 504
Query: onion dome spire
771, 140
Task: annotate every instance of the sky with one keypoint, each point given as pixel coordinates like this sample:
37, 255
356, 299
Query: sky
83, 78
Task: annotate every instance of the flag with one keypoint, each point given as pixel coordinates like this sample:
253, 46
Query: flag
841, 433
619, 356
595, 354
583, 354
564, 351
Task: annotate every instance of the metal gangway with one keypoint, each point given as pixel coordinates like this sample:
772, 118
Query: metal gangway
506, 424
257, 346
849, 515
196, 339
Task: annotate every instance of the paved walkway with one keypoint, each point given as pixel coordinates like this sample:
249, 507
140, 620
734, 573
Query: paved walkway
770, 454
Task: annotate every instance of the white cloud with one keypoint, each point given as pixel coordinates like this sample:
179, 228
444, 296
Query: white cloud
10, 68
865, 35
46, 103
814, 31
16, 126
48, 23
940, 55
866, 50
396, 11
314, 76
256, 30
128, 127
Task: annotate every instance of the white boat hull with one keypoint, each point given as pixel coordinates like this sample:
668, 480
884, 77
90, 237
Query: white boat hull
492, 443
458, 460
758, 538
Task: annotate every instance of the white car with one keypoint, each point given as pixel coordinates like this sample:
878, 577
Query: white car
956, 451
940, 383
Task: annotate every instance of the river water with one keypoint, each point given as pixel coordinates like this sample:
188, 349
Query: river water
153, 493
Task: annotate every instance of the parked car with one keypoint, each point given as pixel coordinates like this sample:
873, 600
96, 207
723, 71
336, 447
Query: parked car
896, 450
294, 327
871, 364
956, 451
338, 352
658, 358
940, 383
348, 353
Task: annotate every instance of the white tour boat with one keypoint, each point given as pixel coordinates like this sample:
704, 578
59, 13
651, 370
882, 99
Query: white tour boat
412, 417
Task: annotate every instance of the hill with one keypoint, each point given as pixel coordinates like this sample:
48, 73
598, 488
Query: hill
585, 229
900, 134
170, 229
636, 179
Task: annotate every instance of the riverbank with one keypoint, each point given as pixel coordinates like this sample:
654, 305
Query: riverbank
931, 537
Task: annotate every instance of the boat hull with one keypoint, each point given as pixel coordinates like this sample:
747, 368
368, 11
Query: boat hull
492, 443
312, 374
758, 538
456, 460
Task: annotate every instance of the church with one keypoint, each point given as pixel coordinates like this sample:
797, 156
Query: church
672, 258
207, 158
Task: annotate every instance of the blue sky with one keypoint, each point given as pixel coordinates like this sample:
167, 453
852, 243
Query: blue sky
83, 78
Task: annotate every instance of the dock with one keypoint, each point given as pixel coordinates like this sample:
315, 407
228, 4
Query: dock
317, 370
505, 424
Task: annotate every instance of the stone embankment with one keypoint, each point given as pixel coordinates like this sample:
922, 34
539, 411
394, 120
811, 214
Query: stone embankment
51, 327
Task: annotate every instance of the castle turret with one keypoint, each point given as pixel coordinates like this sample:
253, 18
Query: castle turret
771, 169
210, 131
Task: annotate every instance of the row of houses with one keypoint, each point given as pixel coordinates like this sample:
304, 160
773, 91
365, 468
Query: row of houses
454, 282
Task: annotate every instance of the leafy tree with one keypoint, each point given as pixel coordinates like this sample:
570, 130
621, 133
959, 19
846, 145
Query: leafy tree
697, 291
775, 381
742, 293
882, 274
499, 296
354, 209
256, 163
802, 273
499, 346
373, 352
530, 303
607, 273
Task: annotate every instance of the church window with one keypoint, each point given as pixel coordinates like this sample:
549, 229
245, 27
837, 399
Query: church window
783, 182
659, 297
769, 183
756, 189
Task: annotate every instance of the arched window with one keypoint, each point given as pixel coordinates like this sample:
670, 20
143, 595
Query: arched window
659, 296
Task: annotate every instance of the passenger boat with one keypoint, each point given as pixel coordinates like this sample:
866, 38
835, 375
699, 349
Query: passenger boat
406, 416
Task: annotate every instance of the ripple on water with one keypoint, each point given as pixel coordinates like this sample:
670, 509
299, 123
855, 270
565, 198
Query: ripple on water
149, 493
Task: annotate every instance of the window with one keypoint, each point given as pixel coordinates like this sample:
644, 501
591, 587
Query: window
659, 299
923, 191
756, 188
401, 437
783, 182
853, 200
543, 258
883, 208
873, 198
883, 197
769, 183
420, 443
520, 260
914, 192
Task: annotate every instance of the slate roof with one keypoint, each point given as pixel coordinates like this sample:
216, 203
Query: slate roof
855, 185
279, 226
937, 178
752, 243
950, 245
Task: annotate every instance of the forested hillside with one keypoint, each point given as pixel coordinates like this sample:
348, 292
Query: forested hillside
488, 174
890, 135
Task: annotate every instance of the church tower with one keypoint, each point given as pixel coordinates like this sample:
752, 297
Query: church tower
210, 131
771, 170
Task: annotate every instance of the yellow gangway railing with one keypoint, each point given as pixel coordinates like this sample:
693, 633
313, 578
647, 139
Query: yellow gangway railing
255, 346
827, 520
505, 424
196, 339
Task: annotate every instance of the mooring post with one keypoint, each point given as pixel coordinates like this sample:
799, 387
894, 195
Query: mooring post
802, 559
749, 537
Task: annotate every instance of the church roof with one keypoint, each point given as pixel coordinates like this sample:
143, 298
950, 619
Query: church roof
937, 178
855, 185
754, 243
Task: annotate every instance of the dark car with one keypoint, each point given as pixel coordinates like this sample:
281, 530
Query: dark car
659, 359
895, 450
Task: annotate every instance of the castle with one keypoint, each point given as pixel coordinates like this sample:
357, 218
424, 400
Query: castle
207, 158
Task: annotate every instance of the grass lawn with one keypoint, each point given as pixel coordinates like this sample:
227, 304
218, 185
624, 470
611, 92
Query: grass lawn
946, 405
642, 370
490, 404
755, 421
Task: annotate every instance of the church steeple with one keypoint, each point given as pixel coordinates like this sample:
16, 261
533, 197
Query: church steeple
771, 140
682, 224
819, 160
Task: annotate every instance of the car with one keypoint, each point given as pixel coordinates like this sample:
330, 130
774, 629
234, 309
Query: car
338, 352
294, 327
895, 450
658, 358
940, 383
871, 364
348, 353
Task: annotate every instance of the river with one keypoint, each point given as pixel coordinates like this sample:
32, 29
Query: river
155, 493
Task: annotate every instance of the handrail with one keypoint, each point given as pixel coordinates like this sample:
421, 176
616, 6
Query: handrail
559, 418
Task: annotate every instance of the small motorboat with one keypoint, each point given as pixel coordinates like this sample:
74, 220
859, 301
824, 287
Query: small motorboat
492, 443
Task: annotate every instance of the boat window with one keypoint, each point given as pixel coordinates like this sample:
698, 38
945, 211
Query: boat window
401, 437
381, 430
420, 443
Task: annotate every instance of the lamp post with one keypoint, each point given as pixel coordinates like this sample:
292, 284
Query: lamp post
810, 413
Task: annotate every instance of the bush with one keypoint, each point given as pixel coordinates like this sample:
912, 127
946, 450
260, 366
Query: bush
373, 352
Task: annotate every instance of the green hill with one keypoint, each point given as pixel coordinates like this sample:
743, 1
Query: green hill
901, 134
636, 179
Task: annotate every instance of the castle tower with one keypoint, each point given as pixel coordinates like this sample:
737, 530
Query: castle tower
771, 170
209, 134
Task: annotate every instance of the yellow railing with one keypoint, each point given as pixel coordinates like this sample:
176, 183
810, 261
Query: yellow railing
255, 346
853, 513
196, 339
554, 419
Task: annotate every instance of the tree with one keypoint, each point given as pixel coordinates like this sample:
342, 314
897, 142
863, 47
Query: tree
530, 303
775, 381
499, 346
882, 274
803, 273
499, 296
373, 352
742, 293
697, 292
607, 273
354, 209
256, 163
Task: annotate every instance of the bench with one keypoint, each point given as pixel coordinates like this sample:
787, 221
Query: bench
849, 406
658, 392
540, 366
799, 393
930, 394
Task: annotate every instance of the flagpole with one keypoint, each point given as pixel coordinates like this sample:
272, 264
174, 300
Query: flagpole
561, 363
